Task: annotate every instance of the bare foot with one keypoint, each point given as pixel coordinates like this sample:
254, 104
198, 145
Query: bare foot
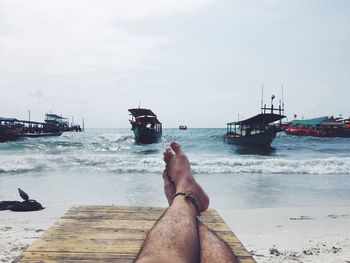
179, 171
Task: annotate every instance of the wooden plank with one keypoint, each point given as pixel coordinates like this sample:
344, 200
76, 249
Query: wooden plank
111, 234
75, 257
130, 215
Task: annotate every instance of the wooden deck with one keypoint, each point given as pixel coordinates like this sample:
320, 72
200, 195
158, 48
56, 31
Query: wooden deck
110, 234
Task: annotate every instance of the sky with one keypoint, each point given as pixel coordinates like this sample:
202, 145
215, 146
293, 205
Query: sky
199, 63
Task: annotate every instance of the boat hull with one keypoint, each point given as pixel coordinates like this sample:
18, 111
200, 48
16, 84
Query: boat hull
144, 135
261, 140
8, 134
342, 134
4, 137
44, 134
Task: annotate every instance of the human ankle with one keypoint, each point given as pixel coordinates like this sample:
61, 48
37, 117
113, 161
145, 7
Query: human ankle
185, 184
187, 204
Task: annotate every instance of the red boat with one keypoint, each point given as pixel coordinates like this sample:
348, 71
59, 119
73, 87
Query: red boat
319, 127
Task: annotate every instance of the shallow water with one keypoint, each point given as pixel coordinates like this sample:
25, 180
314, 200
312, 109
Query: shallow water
104, 166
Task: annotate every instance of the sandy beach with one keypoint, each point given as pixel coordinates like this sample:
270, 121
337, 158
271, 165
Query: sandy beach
298, 234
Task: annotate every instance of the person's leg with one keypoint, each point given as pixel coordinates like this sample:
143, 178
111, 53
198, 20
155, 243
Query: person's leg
175, 238
212, 247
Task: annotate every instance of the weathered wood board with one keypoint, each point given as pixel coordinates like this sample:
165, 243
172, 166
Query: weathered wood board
111, 234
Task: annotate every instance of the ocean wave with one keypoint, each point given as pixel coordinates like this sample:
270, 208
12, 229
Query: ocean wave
19, 168
331, 165
116, 138
119, 163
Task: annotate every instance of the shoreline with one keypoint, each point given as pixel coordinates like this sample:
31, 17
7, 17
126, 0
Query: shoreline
284, 234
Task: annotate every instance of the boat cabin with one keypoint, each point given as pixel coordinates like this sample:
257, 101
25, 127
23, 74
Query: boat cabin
256, 131
254, 125
145, 118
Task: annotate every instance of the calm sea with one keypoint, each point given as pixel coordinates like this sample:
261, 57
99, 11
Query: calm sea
104, 166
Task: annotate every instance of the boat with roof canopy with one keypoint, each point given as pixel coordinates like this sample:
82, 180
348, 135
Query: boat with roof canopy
145, 125
257, 131
319, 127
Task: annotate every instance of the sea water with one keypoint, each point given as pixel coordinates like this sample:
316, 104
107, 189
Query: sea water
105, 166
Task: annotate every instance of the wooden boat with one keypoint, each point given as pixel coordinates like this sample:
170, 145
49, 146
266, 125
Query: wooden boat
183, 127
62, 122
319, 127
42, 134
10, 130
145, 125
258, 131
34, 129
255, 131
13, 129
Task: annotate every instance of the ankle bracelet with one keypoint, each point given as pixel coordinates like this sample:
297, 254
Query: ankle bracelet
190, 197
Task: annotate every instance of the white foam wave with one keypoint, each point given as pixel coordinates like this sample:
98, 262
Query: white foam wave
114, 163
331, 165
115, 137
21, 165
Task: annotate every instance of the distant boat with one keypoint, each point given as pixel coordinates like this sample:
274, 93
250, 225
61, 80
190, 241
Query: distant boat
61, 122
257, 131
145, 125
183, 127
13, 129
319, 127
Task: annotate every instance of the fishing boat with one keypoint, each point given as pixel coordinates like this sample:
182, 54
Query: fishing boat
13, 129
62, 122
10, 129
42, 134
34, 129
257, 131
183, 127
145, 125
319, 127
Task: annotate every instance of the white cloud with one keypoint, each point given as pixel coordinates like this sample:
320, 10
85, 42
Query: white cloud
56, 37
93, 58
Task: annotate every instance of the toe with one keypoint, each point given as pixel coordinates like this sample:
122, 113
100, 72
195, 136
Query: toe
167, 155
176, 147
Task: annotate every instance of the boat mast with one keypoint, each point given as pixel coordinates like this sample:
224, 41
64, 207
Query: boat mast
282, 99
262, 97
272, 98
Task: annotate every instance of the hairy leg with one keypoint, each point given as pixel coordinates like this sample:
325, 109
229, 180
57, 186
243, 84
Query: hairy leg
175, 237
212, 247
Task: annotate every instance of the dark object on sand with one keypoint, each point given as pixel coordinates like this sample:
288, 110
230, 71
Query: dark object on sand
145, 125
17, 206
258, 131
